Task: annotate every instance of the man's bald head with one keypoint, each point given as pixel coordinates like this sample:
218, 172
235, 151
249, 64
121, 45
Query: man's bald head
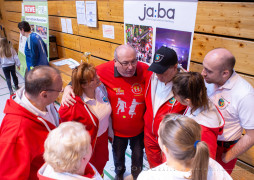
125, 60
222, 58
39, 79
218, 66
122, 50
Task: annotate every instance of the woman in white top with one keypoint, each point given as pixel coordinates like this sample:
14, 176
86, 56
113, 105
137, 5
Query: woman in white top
67, 154
189, 89
186, 156
8, 60
92, 109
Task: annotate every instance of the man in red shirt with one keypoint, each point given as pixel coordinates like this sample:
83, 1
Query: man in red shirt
124, 79
29, 116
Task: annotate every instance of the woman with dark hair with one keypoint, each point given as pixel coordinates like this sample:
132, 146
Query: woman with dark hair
92, 109
187, 157
189, 89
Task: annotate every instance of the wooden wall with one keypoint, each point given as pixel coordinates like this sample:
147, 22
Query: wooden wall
218, 24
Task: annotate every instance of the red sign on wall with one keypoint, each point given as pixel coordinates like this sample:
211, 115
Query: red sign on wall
29, 9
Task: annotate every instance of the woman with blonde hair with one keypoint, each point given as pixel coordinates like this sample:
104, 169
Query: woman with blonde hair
187, 157
92, 109
9, 59
67, 154
189, 89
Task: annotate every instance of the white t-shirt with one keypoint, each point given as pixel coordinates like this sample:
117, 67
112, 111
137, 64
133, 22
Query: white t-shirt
162, 172
160, 92
235, 100
100, 107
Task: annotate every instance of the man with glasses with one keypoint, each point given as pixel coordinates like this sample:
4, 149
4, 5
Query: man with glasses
124, 79
29, 116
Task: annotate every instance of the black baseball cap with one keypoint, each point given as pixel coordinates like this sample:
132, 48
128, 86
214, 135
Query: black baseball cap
163, 59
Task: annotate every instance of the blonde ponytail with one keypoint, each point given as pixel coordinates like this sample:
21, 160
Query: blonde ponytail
200, 162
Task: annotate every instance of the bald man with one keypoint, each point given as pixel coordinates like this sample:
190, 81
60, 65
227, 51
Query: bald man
29, 116
235, 99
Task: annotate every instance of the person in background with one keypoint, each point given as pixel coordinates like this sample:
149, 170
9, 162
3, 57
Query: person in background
9, 59
67, 153
29, 116
187, 157
189, 89
235, 99
159, 100
92, 109
35, 49
125, 79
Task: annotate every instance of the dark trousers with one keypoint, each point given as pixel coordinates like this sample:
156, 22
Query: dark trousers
8, 72
119, 148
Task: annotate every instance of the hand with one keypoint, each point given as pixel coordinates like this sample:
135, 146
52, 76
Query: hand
18, 67
224, 158
68, 95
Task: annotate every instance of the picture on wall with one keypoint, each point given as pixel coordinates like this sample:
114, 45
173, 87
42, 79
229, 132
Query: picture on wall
180, 41
141, 38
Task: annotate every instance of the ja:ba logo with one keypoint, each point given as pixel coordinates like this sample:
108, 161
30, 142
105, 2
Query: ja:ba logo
158, 13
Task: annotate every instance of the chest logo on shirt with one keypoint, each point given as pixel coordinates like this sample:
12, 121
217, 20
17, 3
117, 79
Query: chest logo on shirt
119, 91
172, 100
221, 102
105, 99
136, 88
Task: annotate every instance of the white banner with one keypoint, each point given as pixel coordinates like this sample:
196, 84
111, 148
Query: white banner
152, 24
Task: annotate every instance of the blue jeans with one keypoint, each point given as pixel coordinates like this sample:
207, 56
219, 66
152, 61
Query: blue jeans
119, 148
8, 72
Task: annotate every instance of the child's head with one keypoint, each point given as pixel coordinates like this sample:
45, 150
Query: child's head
179, 139
5, 48
25, 26
68, 148
189, 89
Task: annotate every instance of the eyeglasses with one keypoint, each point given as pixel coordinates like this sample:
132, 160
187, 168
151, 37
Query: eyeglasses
54, 90
127, 64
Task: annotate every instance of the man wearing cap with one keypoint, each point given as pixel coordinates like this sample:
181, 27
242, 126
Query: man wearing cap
159, 100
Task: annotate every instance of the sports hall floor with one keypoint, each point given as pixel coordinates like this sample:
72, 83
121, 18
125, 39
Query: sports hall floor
241, 171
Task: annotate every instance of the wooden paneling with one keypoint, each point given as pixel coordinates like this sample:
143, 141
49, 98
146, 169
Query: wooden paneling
198, 68
110, 10
66, 40
13, 16
226, 18
67, 53
97, 33
12, 26
96, 61
62, 8
55, 24
98, 48
242, 50
13, 6
64, 52
14, 35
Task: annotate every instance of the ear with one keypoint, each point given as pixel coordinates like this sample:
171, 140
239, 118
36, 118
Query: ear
43, 94
188, 102
225, 73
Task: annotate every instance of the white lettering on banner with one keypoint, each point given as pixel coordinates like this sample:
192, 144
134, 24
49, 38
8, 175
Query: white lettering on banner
29, 9
36, 19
